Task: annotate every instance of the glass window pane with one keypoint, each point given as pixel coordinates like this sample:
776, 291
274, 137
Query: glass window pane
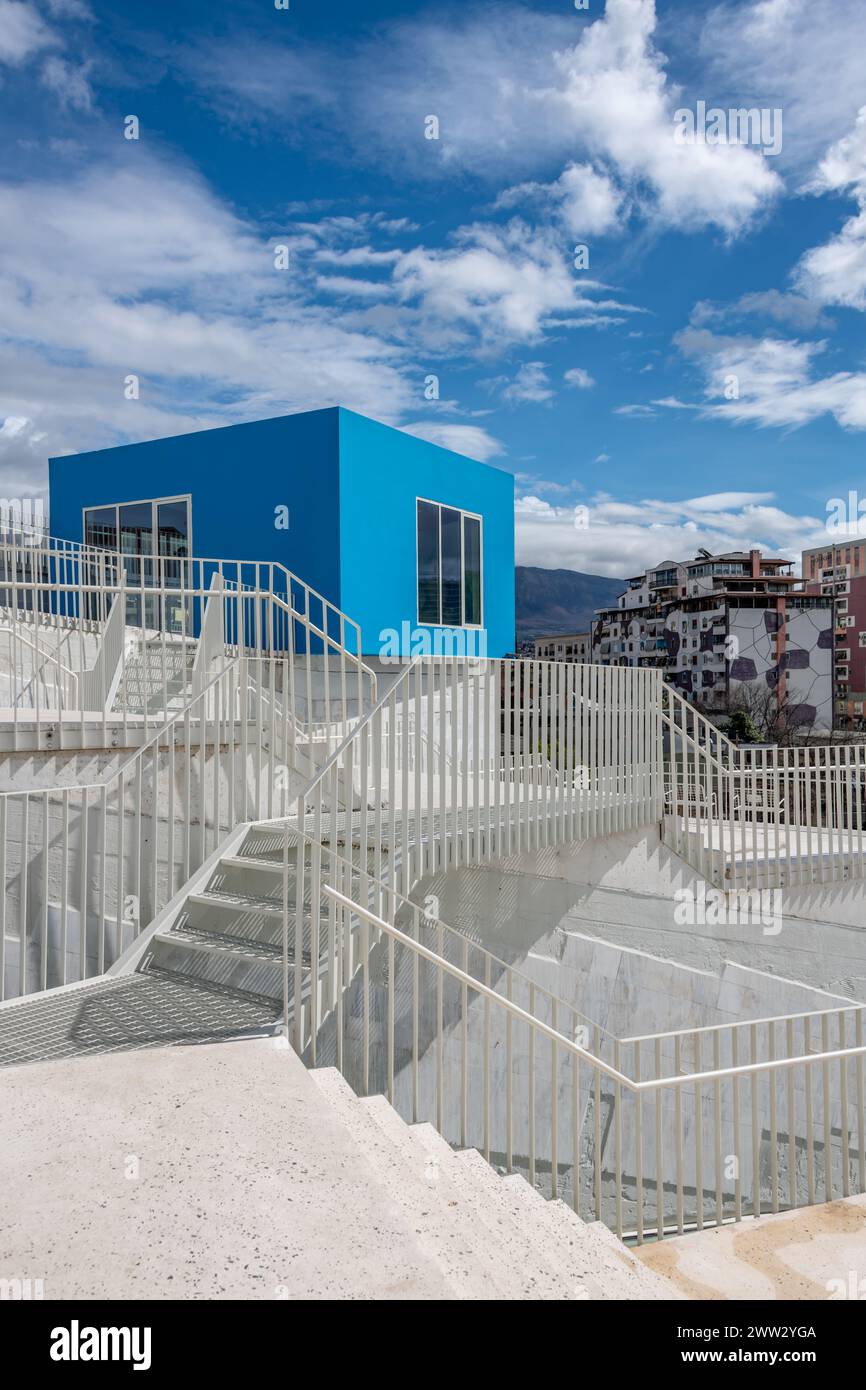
136, 539
136, 528
100, 528
428, 562
472, 570
172, 540
172, 528
452, 606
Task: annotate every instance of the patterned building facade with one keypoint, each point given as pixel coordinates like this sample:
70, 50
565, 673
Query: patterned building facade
728, 629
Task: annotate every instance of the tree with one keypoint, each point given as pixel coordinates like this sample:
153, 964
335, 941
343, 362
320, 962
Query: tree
742, 727
756, 706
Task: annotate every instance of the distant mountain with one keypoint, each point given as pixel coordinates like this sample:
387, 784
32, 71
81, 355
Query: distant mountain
551, 601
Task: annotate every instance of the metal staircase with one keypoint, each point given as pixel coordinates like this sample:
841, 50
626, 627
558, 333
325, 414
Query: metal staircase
157, 679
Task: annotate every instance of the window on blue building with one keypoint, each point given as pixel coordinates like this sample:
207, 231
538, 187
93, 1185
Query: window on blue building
141, 531
449, 566
157, 527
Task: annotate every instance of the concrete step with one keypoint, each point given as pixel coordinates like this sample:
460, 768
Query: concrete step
534, 1269
595, 1251
572, 1260
434, 1211
253, 1188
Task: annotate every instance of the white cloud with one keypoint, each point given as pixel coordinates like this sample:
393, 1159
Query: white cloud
22, 33
470, 440
835, 273
615, 93
351, 286
69, 84
530, 385
592, 93
624, 538
792, 310
802, 56
727, 501
498, 285
586, 202
579, 377
589, 202
70, 9
187, 298
771, 381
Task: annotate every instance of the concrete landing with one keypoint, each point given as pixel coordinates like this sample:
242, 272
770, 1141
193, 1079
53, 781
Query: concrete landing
814, 1253
209, 1172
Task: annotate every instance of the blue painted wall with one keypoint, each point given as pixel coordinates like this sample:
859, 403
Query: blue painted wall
351, 486
382, 473
236, 475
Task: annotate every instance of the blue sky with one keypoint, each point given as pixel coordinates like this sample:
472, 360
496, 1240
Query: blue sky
605, 388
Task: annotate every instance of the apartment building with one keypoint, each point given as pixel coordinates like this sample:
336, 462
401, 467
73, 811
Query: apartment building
568, 646
719, 623
838, 573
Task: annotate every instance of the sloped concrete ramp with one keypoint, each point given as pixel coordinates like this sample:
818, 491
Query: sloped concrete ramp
815, 1253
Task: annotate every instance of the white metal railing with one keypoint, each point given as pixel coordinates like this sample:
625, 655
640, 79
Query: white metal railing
664, 1134
443, 772
42, 681
761, 817
86, 867
167, 604
308, 866
649, 1135
445, 769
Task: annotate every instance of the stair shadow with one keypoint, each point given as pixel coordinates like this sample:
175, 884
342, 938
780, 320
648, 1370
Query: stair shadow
154, 1010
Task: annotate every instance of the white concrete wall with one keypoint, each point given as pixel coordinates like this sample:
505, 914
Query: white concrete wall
623, 889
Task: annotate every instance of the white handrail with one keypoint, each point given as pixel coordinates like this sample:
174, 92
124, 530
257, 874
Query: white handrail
276, 613
40, 651
832, 1012
648, 1153
611, 1072
116, 849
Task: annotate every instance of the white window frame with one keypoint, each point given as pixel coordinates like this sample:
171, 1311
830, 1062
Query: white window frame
462, 512
139, 502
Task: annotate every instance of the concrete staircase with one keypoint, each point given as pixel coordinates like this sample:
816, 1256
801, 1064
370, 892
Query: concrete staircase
262, 1180
490, 1237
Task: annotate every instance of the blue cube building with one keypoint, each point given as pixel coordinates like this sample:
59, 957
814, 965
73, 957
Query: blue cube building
407, 538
